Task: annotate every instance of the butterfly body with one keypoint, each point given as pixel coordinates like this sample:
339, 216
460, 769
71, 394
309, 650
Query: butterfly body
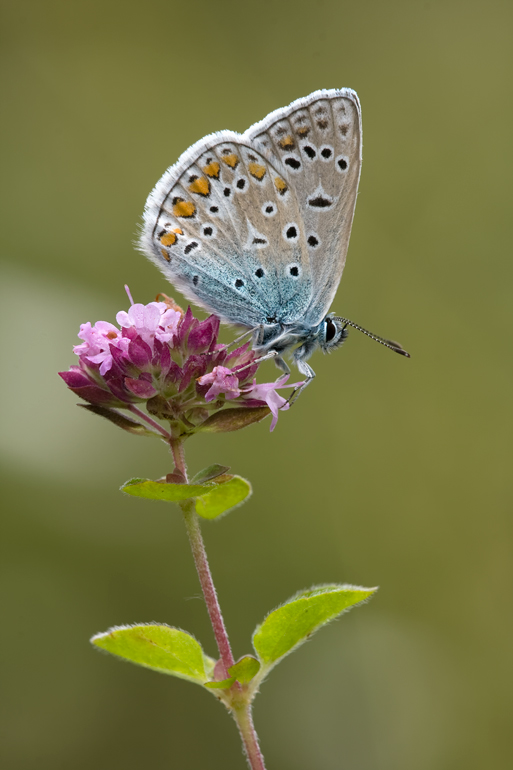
255, 227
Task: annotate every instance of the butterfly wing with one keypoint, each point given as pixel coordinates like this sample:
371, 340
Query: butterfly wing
317, 143
224, 225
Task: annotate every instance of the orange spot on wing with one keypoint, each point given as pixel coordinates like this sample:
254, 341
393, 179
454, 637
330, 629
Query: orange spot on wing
168, 239
287, 143
200, 186
231, 160
304, 131
183, 208
178, 231
212, 170
256, 170
165, 255
280, 185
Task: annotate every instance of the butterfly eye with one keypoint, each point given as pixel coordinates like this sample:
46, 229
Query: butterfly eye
330, 330
333, 334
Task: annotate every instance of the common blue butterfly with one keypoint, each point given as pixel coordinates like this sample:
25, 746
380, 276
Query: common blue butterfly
255, 227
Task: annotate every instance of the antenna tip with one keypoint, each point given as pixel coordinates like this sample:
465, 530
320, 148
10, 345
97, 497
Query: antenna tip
399, 349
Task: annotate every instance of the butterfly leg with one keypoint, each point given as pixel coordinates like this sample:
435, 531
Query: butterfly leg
303, 367
234, 342
282, 364
309, 373
266, 357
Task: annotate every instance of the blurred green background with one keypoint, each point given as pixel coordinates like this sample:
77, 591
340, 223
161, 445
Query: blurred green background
387, 471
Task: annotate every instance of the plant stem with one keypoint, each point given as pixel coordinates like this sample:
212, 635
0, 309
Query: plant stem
179, 457
207, 584
200, 560
241, 710
244, 719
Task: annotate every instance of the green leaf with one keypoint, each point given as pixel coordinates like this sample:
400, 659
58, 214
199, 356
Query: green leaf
159, 647
223, 496
207, 474
245, 669
288, 626
161, 490
212, 498
223, 685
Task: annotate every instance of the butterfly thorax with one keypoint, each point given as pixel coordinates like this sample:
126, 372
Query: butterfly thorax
284, 337
301, 340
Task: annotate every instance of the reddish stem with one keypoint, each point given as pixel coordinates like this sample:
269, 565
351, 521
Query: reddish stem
207, 585
202, 567
242, 710
244, 719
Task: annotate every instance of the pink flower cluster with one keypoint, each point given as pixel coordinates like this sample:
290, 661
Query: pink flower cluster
170, 362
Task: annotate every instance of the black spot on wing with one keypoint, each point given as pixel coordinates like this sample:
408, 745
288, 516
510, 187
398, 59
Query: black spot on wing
320, 202
190, 246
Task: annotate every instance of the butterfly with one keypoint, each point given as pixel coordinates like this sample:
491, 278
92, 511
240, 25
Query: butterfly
255, 227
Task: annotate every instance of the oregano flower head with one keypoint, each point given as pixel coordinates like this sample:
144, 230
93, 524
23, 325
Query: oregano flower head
171, 363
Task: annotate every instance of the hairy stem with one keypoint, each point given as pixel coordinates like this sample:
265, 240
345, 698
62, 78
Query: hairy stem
244, 719
241, 709
200, 560
207, 584
179, 456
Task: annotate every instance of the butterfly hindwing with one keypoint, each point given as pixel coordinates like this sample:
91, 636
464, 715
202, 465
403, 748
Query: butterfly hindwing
317, 142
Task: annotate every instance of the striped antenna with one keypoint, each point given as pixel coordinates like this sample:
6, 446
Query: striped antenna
395, 346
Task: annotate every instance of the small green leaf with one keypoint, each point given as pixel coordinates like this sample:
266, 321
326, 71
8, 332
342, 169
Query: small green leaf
225, 492
212, 498
159, 647
288, 626
158, 490
223, 685
245, 669
207, 474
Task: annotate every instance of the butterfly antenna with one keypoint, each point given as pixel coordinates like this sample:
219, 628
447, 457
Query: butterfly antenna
387, 343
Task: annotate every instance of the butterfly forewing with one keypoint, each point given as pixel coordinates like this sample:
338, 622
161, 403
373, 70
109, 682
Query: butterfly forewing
225, 226
316, 142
